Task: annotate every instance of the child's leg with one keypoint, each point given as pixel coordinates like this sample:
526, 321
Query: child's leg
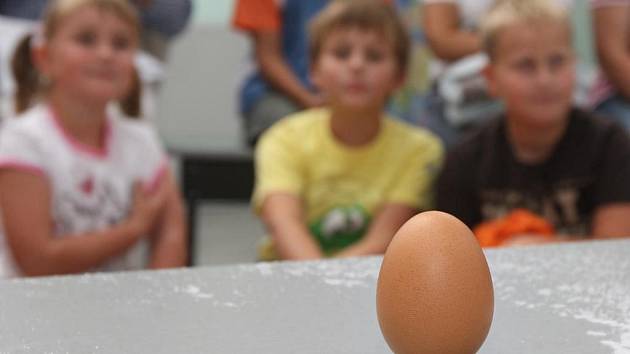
268, 110
616, 108
432, 118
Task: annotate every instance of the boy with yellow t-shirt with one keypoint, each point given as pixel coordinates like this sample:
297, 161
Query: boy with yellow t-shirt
340, 181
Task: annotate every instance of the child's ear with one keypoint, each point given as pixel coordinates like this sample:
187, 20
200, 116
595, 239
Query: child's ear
488, 74
39, 56
400, 80
315, 76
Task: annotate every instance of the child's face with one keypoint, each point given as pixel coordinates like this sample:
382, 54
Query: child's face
356, 69
90, 55
533, 71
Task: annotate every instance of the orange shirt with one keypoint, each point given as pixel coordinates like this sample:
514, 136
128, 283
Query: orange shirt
257, 15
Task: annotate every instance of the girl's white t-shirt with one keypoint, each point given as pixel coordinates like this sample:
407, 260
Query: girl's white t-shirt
471, 11
91, 189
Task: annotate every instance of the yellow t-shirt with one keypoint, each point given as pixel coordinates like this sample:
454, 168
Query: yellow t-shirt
342, 187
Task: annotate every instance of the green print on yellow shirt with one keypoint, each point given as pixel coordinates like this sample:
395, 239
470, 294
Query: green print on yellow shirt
342, 188
340, 227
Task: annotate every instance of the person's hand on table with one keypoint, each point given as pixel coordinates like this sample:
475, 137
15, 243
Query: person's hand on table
528, 240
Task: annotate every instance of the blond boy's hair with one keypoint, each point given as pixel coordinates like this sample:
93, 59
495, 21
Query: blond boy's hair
369, 15
506, 13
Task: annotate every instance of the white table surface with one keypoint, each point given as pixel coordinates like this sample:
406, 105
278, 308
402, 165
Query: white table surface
553, 299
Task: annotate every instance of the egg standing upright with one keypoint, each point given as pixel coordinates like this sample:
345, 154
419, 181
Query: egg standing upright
434, 290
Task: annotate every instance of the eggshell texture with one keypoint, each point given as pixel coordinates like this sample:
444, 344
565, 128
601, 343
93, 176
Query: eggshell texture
434, 290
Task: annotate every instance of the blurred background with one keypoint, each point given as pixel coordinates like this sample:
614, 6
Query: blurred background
206, 141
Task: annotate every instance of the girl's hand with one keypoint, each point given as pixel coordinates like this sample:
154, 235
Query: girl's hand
528, 240
147, 206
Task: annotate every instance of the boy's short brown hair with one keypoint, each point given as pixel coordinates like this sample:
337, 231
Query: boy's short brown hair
509, 12
370, 15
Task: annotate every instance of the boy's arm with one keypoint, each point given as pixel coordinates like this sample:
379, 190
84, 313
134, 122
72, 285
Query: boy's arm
169, 248
612, 221
446, 38
611, 24
386, 223
25, 198
283, 216
609, 221
268, 53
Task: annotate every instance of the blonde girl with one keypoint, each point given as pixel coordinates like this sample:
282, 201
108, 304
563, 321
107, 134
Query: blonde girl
81, 188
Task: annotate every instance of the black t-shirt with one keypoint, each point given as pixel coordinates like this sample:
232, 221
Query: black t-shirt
589, 167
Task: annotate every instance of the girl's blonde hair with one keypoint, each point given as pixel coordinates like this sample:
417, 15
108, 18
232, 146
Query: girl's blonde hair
371, 15
28, 81
506, 13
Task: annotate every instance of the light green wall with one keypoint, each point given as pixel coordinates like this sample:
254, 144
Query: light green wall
582, 31
218, 12
215, 12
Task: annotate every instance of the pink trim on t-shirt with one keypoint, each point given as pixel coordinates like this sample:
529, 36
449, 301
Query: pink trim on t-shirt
153, 183
100, 153
601, 91
21, 166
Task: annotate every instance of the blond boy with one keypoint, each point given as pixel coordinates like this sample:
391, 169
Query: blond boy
543, 155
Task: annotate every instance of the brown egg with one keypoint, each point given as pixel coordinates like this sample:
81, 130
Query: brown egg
434, 290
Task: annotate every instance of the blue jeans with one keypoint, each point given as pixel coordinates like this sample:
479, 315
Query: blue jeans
432, 117
265, 113
616, 108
